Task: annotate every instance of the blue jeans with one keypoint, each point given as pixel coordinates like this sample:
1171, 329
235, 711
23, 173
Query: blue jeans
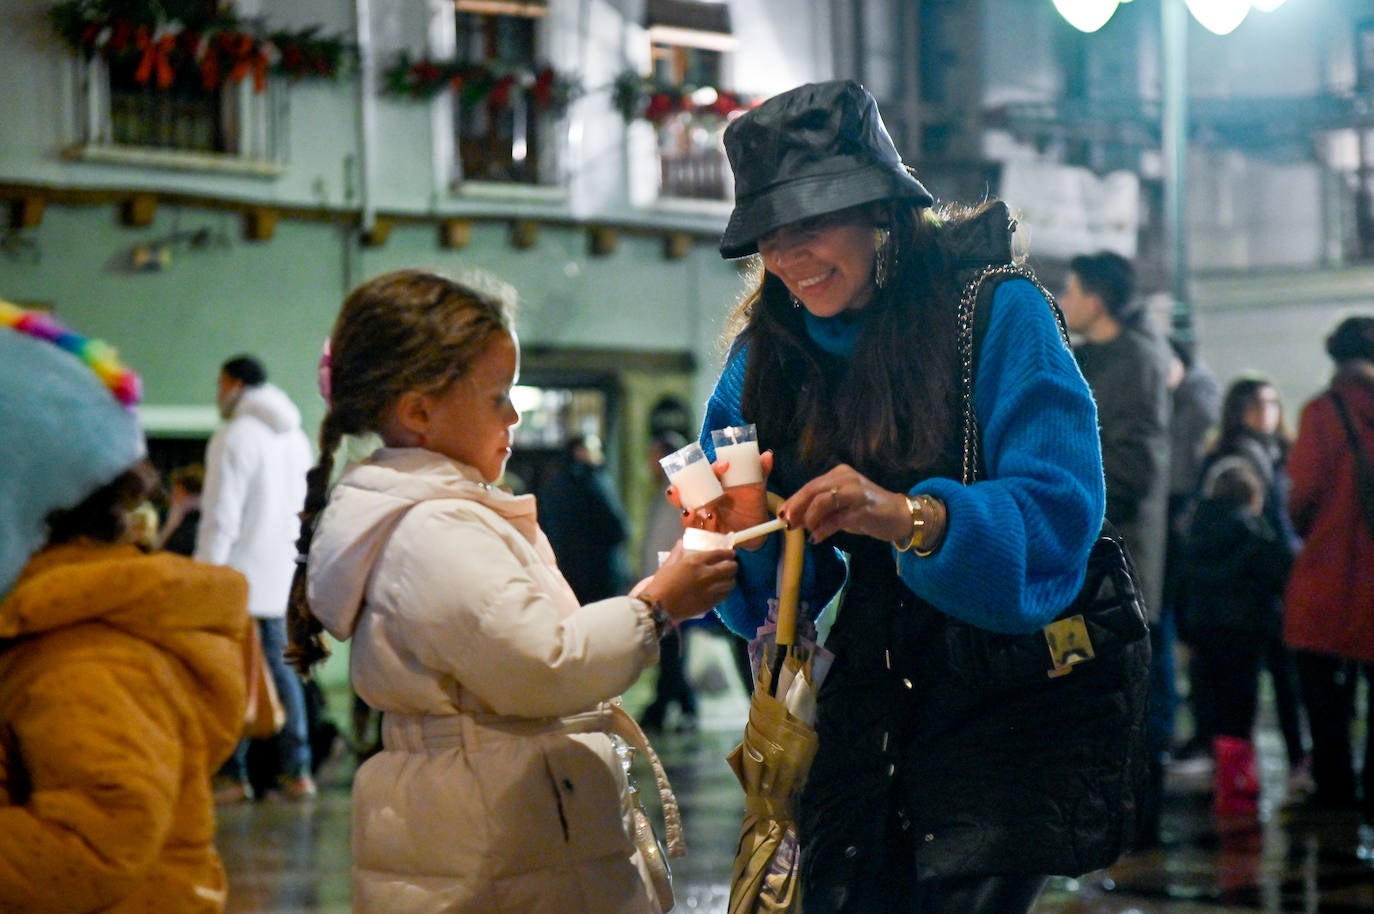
293, 742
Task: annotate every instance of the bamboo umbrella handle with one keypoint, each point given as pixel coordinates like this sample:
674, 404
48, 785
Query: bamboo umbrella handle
789, 591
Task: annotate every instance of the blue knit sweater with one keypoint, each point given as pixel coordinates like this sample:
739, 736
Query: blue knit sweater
1018, 540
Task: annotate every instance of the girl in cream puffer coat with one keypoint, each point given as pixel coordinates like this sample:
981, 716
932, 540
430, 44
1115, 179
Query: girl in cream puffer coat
498, 788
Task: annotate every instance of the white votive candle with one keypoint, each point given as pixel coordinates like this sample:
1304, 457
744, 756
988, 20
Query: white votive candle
739, 445
694, 539
690, 471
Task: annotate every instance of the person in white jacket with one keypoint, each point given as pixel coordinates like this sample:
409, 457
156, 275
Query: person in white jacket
255, 468
500, 786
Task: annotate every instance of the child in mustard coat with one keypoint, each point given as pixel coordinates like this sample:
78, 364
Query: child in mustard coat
121, 671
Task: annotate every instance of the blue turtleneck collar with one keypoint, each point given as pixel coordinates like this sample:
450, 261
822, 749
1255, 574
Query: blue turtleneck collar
835, 335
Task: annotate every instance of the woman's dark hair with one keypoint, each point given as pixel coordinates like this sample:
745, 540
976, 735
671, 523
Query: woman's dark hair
104, 515
403, 331
1243, 393
893, 413
1353, 338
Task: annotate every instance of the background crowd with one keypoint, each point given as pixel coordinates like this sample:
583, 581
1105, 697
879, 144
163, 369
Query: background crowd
497, 633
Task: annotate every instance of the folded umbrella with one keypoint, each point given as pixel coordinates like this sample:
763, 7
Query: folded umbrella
774, 757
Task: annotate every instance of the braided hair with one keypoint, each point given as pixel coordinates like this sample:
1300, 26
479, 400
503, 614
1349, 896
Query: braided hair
404, 331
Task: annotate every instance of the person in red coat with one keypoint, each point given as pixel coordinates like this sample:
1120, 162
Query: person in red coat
1329, 607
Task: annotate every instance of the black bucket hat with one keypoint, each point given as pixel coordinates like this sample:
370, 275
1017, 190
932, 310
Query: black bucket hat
815, 149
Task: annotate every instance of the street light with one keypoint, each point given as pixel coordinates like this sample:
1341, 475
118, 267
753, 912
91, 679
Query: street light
1087, 15
1219, 16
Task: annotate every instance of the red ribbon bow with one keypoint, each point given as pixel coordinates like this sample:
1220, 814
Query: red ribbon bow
156, 57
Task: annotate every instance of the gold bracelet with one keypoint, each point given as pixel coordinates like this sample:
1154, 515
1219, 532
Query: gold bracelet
919, 522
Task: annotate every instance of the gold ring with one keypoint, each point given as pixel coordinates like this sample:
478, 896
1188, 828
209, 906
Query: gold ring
835, 497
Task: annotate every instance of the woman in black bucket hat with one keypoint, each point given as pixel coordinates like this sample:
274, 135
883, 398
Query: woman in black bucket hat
845, 354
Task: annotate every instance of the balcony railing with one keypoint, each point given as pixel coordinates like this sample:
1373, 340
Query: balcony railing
692, 162
232, 128
694, 175
164, 120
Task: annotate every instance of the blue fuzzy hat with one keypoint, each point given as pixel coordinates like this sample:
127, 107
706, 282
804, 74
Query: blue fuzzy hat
67, 427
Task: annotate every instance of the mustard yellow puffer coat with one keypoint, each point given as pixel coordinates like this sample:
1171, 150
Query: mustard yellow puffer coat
121, 692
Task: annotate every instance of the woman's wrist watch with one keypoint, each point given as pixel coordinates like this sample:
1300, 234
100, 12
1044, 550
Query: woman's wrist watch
927, 525
663, 622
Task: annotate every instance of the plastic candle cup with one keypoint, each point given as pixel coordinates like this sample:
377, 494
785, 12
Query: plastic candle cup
738, 444
695, 539
691, 472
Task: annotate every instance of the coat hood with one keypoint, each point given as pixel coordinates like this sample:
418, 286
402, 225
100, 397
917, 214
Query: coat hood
270, 405
368, 503
191, 610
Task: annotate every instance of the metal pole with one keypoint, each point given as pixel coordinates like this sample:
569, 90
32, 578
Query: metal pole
1174, 140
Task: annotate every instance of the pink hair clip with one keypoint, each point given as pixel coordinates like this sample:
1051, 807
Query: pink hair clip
325, 371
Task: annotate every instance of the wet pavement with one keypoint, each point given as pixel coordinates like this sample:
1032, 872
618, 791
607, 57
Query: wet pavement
294, 857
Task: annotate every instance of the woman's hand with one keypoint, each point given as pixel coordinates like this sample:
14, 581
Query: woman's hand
740, 506
845, 499
690, 584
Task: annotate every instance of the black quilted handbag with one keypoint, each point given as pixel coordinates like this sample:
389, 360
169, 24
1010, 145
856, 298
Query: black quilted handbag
1067, 702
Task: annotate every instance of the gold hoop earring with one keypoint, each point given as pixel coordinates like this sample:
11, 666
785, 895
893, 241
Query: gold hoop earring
882, 257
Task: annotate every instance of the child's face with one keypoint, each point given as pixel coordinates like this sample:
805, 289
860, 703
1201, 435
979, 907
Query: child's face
471, 421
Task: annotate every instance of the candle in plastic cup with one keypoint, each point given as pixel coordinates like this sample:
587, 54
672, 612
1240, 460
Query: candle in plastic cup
738, 444
694, 539
691, 472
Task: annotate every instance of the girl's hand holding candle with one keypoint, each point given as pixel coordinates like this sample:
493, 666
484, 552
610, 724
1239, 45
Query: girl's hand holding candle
697, 540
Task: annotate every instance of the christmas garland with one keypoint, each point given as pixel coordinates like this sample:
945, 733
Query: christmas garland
178, 46
478, 83
646, 97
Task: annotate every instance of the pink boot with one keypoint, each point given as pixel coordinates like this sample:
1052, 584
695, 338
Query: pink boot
1235, 779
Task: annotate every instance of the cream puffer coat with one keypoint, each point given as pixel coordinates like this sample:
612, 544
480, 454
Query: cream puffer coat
497, 789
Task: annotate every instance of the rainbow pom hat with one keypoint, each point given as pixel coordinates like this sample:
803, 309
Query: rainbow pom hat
69, 427
102, 359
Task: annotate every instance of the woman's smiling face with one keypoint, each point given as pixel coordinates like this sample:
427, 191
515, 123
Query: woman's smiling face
826, 262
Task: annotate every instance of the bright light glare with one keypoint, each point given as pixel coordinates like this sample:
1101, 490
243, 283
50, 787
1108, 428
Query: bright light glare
1086, 15
1266, 6
525, 399
705, 97
1220, 17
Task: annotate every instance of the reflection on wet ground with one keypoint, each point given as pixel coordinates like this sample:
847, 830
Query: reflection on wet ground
286, 857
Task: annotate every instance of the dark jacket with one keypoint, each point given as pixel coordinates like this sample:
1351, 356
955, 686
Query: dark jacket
1129, 378
1268, 458
1235, 566
586, 527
